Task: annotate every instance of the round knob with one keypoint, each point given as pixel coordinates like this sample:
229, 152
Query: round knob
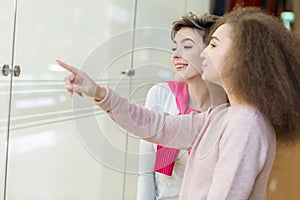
17, 71
5, 70
128, 72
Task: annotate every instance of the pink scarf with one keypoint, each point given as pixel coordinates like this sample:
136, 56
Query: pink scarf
166, 156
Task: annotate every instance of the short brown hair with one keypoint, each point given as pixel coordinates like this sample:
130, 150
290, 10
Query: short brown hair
203, 22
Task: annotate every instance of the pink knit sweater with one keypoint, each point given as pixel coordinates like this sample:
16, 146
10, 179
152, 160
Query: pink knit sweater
232, 148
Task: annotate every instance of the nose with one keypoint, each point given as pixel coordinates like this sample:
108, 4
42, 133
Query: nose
203, 53
176, 54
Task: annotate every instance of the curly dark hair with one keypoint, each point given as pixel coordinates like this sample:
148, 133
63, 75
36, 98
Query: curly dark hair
203, 22
266, 68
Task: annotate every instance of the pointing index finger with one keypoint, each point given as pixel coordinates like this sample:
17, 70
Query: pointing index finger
71, 69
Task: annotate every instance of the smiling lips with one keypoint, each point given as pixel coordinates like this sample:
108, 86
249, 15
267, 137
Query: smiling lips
180, 66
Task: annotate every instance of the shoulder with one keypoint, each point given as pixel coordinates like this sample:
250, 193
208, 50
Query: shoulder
160, 88
160, 91
247, 115
249, 132
161, 99
217, 111
248, 122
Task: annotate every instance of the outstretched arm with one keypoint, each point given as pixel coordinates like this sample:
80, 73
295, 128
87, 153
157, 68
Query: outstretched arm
173, 131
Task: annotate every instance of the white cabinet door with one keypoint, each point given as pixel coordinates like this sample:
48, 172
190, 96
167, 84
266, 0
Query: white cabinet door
48, 157
6, 63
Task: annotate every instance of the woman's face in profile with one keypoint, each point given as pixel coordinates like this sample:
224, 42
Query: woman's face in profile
215, 55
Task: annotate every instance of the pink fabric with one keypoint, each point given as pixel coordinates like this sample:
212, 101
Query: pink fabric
166, 156
233, 147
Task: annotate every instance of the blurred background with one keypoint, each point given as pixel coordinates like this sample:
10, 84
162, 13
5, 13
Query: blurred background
55, 147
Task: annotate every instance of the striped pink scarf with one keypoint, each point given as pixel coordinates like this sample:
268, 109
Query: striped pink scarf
166, 156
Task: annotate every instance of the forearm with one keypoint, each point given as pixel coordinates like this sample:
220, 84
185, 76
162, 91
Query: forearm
100, 93
173, 131
132, 118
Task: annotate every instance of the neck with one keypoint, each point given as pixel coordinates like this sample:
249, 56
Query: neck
203, 95
233, 99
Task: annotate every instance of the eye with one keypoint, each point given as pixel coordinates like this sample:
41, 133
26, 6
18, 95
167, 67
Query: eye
173, 49
212, 45
187, 47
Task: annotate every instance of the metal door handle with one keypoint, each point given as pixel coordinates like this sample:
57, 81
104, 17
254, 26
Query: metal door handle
16, 71
5, 70
128, 72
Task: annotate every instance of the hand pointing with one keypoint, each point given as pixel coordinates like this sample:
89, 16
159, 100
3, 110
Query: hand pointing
80, 83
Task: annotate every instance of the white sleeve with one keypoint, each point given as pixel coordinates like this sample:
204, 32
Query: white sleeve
146, 178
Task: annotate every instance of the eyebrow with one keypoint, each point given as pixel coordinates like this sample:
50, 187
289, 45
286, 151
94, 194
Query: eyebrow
214, 37
184, 40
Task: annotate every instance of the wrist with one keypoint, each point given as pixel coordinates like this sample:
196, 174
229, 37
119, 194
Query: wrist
100, 93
